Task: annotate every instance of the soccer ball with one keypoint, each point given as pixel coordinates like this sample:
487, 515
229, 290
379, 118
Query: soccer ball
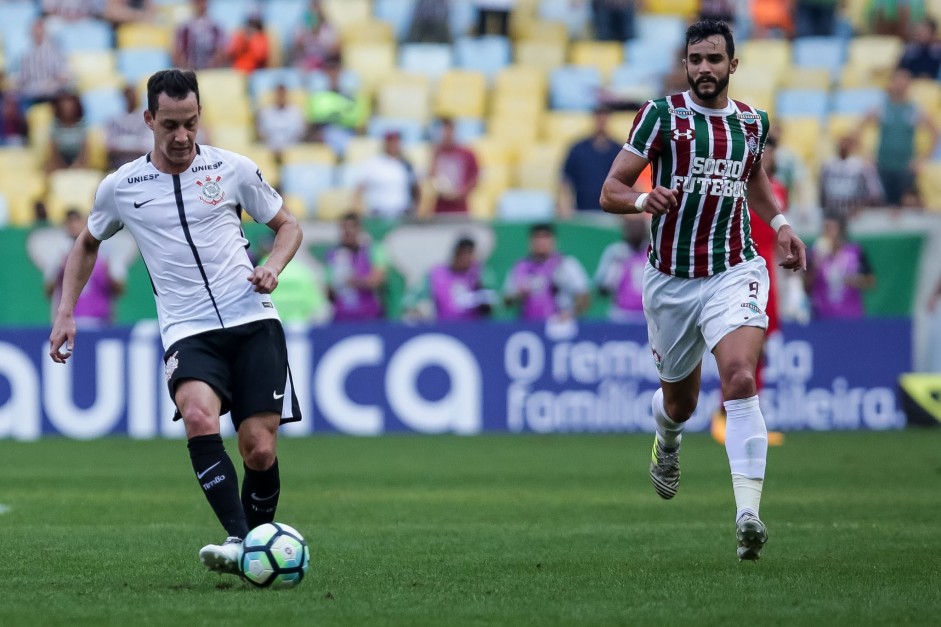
274, 555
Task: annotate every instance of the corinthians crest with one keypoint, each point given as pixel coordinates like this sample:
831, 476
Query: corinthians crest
211, 192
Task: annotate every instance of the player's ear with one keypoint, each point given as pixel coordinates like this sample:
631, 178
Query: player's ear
149, 119
733, 64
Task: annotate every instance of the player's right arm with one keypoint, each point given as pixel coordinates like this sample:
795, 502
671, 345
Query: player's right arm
78, 269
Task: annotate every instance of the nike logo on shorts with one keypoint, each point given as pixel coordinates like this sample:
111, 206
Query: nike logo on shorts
199, 475
138, 205
277, 396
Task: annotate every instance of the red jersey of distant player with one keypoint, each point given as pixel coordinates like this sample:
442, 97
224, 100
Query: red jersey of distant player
767, 242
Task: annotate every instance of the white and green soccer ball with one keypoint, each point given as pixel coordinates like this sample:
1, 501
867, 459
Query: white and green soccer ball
274, 555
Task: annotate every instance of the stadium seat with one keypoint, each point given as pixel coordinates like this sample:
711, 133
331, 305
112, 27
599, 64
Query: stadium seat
16, 18
343, 13
929, 185
360, 148
803, 136
264, 159
649, 56
412, 130
398, 13
521, 81
857, 101
554, 33
39, 118
431, 60
635, 82
284, 17
231, 14
574, 87
526, 205
462, 19
461, 93
663, 32
839, 125
927, 93
603, 55
224, 97
517, 132
487, 55
135, 64
234, 137
801, 103
4, 212
267, 79
71, 188
310, 153
94, 68
84, 35
369, 31
773, 55
333, 202
405, 96
539, 167
22, 190
102, 104
543, 55
806, 78
575, 15
566, 127
827, 53
372, 62
878, 53
149, 35
306, 181
350, 81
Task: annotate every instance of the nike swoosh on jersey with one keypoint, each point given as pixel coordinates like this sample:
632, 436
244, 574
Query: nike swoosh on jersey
199, 475
138, 205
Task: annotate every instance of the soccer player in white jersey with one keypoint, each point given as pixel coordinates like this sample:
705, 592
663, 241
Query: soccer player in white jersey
705, 286
225, 347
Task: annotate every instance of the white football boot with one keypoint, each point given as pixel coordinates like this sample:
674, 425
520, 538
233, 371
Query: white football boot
223, 558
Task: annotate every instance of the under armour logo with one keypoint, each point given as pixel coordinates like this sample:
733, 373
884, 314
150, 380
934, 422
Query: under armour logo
687, 135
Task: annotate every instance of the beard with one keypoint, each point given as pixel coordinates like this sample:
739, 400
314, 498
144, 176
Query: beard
717, 85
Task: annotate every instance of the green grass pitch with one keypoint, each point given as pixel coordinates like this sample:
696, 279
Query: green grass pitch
494, 530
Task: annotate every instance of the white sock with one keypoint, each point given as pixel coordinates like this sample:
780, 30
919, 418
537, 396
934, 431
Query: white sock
746, 444
669, 433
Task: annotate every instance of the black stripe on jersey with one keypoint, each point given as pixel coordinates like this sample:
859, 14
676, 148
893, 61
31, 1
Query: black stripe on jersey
178, 193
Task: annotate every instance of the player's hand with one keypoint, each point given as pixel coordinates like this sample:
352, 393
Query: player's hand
661, 200
792, 249
264, 280
62, 339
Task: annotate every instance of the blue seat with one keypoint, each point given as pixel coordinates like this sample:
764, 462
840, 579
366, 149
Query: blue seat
819, 52
266, 79
663, 31
84, 35
350, 81
102, 104
462, 19
136, 63
412, 130
575, 15
857, 101
801, 103
16, 20
231, 14
643, 53
574, 87
487, 55
525, 205
634, 76
307, 181
285, 17
430, 60
396, 12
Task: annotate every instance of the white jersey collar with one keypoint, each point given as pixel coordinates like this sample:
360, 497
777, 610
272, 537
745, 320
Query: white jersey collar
729, 109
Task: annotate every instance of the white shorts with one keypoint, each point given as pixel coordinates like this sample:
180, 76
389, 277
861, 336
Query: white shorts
687, 316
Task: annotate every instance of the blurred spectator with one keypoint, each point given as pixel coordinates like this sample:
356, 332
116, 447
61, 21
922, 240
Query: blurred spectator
281, 124
815, 18
922, 54
14, 130
316, 42
620, 272
718, 10
127, 136
837, 274
586, 167
249, 49
848, 182
431, 22
934, 351
458, 289
895, 17
772, 18
493, 16
43, 69
613, 20
896, 159
453, 173
200, 41
68, 137
386, 185
95, 305
334, 113
356, 274
546, 284
301, 297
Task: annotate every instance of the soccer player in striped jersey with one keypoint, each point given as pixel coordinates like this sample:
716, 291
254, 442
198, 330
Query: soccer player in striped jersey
705, 286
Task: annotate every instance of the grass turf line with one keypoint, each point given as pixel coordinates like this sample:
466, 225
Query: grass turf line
503, 530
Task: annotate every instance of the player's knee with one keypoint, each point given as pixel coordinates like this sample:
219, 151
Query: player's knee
680, 407
200, 420
259, 455
739, 384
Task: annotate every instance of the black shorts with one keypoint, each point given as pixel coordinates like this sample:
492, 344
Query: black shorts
246, 365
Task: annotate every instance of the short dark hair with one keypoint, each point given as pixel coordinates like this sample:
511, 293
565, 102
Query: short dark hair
542, 228
176, 84
705, 28
464, 244
350, 216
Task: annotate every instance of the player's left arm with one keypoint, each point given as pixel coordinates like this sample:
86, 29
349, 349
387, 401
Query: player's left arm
287, 240
761, 200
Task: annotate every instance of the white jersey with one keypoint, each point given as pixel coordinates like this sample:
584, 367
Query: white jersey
188, 228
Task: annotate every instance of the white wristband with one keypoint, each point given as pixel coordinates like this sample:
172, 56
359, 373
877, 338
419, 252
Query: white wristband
639, 203
778, 221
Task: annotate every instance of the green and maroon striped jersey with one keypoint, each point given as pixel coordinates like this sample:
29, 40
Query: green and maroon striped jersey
708, 155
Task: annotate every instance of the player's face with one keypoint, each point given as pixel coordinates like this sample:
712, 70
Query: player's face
708, 67
174, 126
